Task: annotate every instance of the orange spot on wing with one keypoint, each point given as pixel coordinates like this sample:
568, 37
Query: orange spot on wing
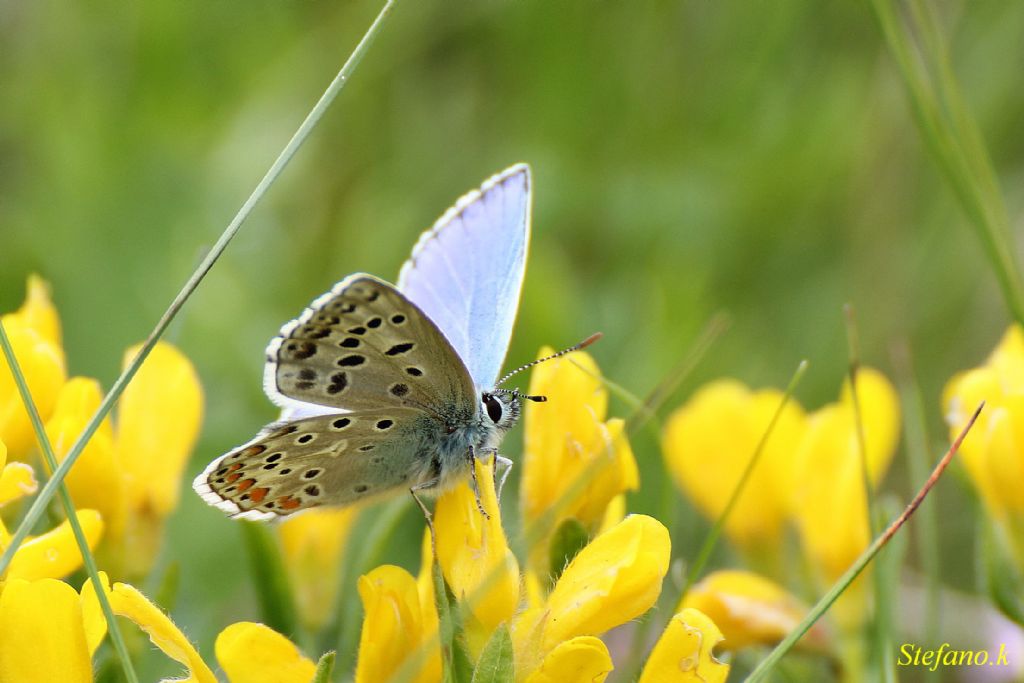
244, 485
257, 495
232, 478
288, 503
236, 466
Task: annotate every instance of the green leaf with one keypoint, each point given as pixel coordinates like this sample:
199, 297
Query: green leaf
324, 668
495, 664
1003, 578
570, 538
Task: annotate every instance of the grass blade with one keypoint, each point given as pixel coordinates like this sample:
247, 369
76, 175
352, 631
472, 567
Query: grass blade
69, 509
765, 666
952, 135
286, 155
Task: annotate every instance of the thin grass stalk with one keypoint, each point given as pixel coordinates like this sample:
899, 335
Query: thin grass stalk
877, 626
927, 527
69, 508
853, 346
952, 135
822, 606
301, 134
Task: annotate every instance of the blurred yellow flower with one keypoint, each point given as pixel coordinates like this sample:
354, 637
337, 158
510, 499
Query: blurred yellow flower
829, 503
475, 559
683, 654
312, 544
574, 462
750, 610
398, 632
34, 333
50, 632
708, 443
992, 456
131, 472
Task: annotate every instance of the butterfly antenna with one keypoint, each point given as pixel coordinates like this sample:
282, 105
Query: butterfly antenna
576, 347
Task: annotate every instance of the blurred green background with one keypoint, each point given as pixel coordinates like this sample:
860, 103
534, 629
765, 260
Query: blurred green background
689, 158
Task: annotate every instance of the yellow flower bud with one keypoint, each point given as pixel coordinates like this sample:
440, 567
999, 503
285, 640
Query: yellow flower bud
34, 333
574, 462
584, 659
477, 563
396, 631
749, 609
829, 502
683, 654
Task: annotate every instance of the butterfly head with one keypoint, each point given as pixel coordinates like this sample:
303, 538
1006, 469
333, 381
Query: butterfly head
502, 407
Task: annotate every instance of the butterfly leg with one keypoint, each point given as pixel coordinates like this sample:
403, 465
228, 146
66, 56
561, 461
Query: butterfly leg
506, 466
427, 515
476, 484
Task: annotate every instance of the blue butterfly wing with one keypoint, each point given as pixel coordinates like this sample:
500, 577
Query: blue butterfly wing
466, 272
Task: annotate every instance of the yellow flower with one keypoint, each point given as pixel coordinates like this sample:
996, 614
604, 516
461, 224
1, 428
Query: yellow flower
49, 632
683, 653
474, 556
992, 453
829, 503
398, 632
254, 653
53, 554
708, 444
34, 333
749, 609
614, 578
16, 480
583, 659
132, 472
574, 462
312, 544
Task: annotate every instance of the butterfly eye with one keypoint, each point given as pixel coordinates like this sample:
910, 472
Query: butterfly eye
494, 410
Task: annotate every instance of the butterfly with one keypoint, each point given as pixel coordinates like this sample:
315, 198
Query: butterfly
386, 388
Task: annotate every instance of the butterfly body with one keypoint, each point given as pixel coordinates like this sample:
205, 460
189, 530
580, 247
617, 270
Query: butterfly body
386, 388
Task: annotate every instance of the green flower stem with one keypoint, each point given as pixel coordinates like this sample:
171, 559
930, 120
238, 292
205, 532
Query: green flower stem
765, 666
286, 155
273, 588
69, 509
